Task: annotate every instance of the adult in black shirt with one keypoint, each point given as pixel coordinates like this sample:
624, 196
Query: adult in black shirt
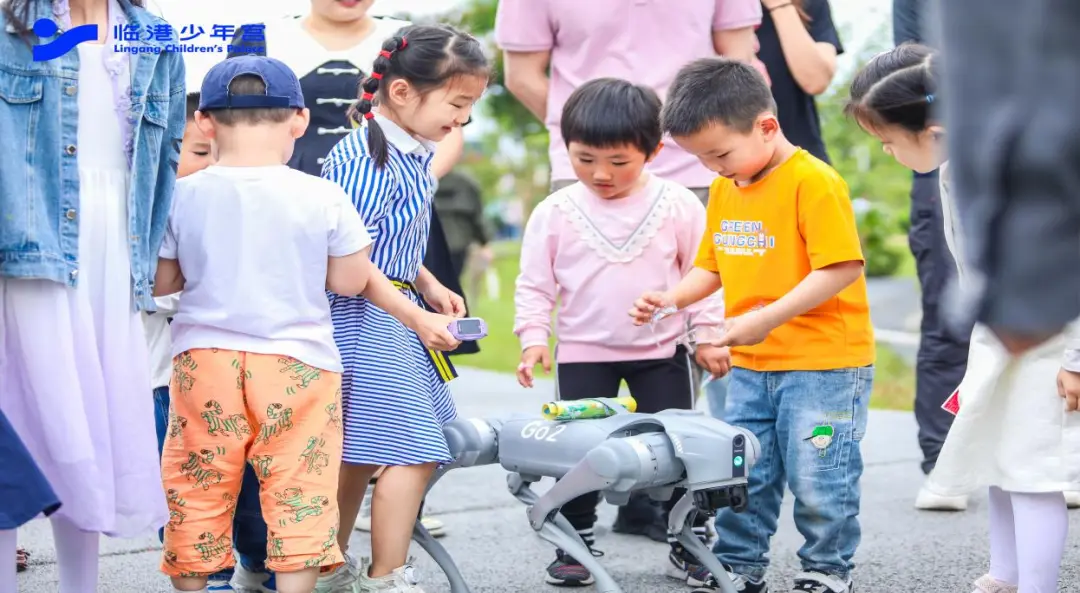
799, 46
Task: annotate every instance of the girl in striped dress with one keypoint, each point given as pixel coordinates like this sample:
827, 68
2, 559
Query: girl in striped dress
396, 399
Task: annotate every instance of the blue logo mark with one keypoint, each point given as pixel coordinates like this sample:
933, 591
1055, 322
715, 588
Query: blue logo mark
62, 44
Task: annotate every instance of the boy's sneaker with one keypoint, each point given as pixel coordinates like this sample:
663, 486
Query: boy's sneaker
681, 564
344, 579
816, 582
704, 582
567, 572
250, 580
988, 584
402, 580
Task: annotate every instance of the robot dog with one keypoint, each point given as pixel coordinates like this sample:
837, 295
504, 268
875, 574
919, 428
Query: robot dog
616, 455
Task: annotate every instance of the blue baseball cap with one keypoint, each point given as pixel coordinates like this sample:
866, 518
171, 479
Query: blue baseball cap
282, 86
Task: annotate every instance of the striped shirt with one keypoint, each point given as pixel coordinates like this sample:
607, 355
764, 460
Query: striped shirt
394, 401
395, 200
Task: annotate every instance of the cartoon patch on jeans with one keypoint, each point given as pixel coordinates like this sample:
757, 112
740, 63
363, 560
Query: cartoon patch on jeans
821, 438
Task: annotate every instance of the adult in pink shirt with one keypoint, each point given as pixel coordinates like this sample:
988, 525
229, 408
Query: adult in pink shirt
642, 41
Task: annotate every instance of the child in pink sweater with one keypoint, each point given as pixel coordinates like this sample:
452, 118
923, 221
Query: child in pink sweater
592, 247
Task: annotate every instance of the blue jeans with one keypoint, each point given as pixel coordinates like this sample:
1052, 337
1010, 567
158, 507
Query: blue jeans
249, 529
809, 424
716, 395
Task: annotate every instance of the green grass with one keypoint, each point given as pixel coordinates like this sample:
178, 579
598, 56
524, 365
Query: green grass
907, 261
894, 379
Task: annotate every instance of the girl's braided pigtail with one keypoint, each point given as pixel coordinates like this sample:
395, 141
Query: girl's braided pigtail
364, 107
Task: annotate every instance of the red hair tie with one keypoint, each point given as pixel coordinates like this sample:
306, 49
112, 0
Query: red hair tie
376, 75
404, 42
385, 54
367, 96
369, 115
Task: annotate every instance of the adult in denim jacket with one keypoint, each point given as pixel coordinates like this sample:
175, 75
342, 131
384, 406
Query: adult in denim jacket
90, 147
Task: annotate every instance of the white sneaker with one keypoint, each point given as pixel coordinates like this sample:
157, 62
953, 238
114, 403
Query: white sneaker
434, 526
1072, 499
929, 501
250, 581
363, 521
988, 584
402, 580
343, 580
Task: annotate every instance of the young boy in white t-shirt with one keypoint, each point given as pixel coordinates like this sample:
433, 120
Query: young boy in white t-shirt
249, 531
256, 379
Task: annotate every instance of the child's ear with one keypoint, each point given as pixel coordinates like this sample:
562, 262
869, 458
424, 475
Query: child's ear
399, 92
769, 126
300, 122
937, 132
205, 125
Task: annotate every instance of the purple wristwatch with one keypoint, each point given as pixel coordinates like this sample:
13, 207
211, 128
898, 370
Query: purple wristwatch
468, 329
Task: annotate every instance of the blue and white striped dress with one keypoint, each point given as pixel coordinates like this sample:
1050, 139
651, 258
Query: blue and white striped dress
394, 399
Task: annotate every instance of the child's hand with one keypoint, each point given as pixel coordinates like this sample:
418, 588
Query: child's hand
648, 304
445, 301
434, 331
1069, 388
532, 356
715, 359
745, 330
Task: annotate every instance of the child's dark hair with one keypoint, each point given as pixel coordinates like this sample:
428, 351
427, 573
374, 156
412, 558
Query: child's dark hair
192, 104
609, 112
715, 90
895, 88
425, 56
250, 84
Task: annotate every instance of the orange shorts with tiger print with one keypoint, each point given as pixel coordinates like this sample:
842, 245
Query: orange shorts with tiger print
278, 414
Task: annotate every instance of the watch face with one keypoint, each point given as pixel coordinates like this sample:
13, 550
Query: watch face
469, 326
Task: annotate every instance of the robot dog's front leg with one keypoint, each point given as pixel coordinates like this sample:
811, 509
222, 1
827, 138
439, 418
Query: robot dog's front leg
618, 465
681, 523
472, 442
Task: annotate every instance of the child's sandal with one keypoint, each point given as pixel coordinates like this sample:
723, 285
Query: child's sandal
22, 560
988, 584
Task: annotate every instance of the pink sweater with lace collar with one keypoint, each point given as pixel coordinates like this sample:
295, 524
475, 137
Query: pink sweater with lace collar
595, 257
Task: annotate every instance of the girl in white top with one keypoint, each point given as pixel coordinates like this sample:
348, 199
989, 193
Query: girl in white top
1013, 432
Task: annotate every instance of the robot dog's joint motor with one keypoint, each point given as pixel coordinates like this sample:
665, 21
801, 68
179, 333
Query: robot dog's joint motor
615, 455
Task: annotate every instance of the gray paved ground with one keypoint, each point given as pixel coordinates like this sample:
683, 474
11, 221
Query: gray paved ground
902, 551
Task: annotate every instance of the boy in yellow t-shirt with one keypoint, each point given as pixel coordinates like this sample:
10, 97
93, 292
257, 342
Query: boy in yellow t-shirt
782, 242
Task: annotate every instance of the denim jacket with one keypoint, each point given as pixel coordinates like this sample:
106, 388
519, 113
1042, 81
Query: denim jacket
39, 176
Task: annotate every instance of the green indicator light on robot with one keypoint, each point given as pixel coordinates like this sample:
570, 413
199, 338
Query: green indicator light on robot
738, 461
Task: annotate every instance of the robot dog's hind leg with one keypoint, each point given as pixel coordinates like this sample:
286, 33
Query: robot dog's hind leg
441, 557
